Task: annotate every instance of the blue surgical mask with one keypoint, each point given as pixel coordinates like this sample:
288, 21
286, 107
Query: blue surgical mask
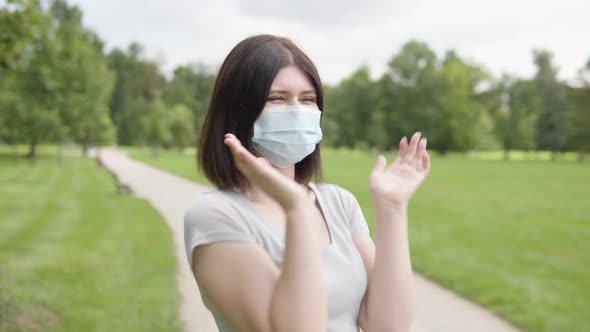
285, 135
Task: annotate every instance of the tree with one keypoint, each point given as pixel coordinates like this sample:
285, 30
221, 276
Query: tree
523, 105
408, 95
181, 126
191, 86
137, 83
440, 99
20, 22
552, 126
157, 126
462, 117
36, 112
579, 97
61, 91
131, 125
10, 131
512, 104
351, 105
85, 81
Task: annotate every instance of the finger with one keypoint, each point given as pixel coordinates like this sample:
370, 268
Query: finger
403, 147
245, 160
232, 142
260, 172
380, 164
417, 162
425, 163
411, 154
238, 150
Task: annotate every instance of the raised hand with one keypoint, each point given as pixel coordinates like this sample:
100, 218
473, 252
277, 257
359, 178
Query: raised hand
395, 184
260, 172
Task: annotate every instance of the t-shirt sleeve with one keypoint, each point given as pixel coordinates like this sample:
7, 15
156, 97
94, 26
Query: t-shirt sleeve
211, 219
358, 224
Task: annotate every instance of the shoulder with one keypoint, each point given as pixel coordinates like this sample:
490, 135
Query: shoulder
206, 202
212, 205
214, 217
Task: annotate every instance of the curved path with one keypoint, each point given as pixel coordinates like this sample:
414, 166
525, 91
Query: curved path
437, 309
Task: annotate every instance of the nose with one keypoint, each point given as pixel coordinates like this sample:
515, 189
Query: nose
294, 101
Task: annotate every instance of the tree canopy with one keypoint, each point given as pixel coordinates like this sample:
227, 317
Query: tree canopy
59, 84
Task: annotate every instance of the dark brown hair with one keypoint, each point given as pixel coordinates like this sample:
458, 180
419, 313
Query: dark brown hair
239, 95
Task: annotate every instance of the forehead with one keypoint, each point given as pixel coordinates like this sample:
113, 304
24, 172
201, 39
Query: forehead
292, 78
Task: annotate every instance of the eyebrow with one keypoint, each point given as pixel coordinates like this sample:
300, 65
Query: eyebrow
285, 92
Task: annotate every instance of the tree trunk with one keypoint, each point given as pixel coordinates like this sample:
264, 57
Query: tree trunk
85, 149
553, 155
581, 155
506, 154
33, 149
60, 154
155, 151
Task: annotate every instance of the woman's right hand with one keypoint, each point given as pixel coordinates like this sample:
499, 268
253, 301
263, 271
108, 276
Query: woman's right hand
260, 172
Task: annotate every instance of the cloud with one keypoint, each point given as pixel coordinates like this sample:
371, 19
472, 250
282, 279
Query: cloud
326, 15
342, 35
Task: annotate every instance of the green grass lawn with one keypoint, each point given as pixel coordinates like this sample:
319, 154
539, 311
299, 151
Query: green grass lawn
182, 163
75, 256
513, 236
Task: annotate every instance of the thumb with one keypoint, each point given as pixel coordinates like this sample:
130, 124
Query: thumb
381, 164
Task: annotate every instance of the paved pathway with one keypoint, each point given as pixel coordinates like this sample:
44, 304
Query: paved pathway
437, 309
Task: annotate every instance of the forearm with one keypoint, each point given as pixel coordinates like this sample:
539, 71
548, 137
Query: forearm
390, 298
299, 298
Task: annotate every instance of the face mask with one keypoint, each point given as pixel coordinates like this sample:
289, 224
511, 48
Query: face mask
286, 135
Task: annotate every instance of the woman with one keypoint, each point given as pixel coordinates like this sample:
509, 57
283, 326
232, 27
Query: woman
271, 250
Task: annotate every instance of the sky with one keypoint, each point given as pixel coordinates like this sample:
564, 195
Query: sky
341, 35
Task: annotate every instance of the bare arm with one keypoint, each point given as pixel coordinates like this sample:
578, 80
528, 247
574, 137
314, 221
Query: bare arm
299, 298
242, 280
253, 294
389, 300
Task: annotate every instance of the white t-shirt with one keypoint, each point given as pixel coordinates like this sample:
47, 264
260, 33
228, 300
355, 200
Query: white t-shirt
225, 215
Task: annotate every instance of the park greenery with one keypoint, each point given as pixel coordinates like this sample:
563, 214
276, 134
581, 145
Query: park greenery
60, 85
77, 256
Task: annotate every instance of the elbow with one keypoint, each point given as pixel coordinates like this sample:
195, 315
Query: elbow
402, 327
402, 324
297, 326
392, 328
393, 324
398, 327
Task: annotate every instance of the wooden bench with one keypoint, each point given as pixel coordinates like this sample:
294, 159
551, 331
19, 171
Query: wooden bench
122, 187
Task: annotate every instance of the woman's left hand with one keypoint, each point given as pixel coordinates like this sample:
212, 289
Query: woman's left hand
394, 185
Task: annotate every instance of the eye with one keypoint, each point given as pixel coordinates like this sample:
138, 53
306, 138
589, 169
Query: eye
309, 99
275, 98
